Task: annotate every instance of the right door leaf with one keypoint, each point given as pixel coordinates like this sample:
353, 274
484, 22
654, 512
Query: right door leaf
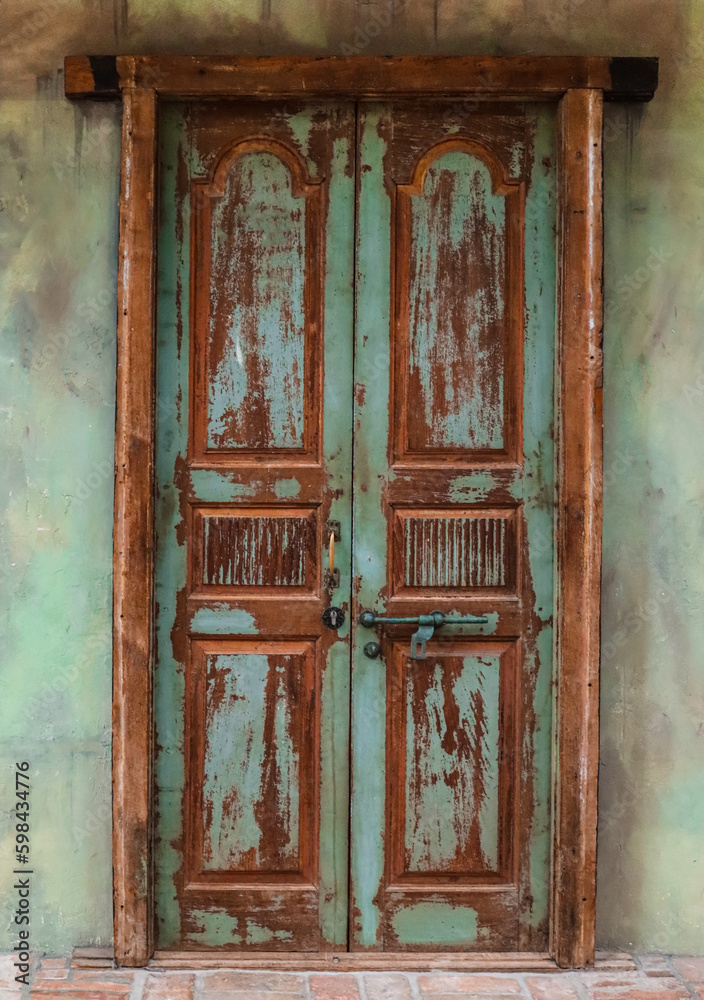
454, 495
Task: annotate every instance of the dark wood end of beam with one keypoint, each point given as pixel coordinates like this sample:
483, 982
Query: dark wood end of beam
93, 77
633, 79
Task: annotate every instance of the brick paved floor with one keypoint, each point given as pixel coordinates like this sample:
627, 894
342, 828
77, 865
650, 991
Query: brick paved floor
655, 978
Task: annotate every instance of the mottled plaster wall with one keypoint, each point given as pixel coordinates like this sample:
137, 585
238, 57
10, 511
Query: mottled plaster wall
58, 238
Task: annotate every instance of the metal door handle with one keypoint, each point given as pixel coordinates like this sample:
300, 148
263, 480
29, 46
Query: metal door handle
426, 626
332, 576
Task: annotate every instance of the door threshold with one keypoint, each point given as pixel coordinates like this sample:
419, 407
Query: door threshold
367, 961
606, 961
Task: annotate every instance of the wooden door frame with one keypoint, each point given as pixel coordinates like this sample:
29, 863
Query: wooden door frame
579, 85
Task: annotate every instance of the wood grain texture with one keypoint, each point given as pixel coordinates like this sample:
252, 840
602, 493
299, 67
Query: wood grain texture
251, 730
579, 460
522, 78
461, 351
257, 300
455, 549
429, 872
251, 835
133, 551
486, 961
253, 547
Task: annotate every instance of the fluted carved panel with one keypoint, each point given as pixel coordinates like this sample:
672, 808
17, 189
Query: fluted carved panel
254, 548
463, 550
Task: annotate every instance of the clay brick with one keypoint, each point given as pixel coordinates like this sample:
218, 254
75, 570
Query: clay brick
552, 987
94, 992
54, 963
451, 996
691, 969
439, 983
602, 986
105, 976
385, 986
333, 986
8, 973
448, 996
604, 979
274, 982
654, 966
246, 995
642, 991
623, 980
52, 974
81, 988
169, 986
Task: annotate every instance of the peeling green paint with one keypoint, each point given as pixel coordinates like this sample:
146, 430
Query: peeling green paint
286, 489
452, 779
219, 486
458, 189
436, 923
337, 451
370, 545
476, 487
172, 424
221, 619
430, 776
216, 928
539, 491
256, 336
238, 689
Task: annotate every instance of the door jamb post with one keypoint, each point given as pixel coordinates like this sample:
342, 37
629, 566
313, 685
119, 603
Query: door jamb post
578, 395
579, 84
134, 534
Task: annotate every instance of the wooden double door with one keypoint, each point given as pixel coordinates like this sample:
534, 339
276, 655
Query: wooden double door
355, 337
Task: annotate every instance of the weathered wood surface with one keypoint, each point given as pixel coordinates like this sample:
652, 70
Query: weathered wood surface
252, 689
452, 438
579, 459
476, 78
101, 958
133, 553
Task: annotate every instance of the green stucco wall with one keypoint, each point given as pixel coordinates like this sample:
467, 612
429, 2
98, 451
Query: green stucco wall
58, 248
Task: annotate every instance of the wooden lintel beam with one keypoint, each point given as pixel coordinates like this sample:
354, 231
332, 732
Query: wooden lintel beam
474, 78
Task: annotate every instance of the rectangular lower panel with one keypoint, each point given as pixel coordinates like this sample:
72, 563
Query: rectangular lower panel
451, 752
252, 794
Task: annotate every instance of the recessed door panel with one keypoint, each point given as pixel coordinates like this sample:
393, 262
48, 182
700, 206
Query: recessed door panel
257, 294
450, 726
456, 221
252, 761
455, 549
